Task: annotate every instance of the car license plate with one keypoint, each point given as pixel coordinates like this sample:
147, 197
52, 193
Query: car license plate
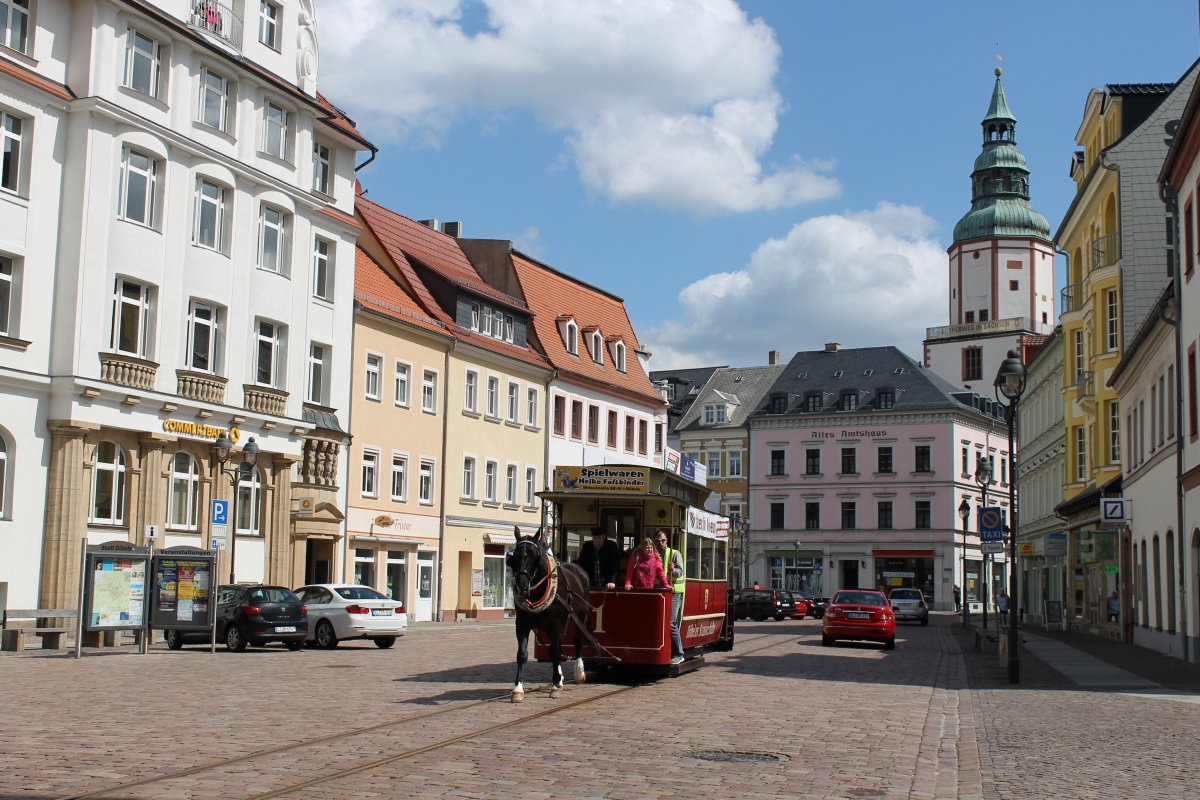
858, 615
381, 612
285, 628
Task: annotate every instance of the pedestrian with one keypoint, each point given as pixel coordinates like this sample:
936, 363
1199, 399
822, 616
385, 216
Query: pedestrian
957, 599
645, 567
1002, 606
1114, 606
673, 567
601, 560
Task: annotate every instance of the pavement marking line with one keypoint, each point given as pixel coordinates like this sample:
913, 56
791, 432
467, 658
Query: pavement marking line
1165, 694
1080, 667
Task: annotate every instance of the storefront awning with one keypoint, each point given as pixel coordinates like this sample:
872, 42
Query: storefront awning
903, 553
499, 538
365, 537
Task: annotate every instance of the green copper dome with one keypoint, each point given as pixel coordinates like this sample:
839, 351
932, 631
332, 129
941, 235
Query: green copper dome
1000, 182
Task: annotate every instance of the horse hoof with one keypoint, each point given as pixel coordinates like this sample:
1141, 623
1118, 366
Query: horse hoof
555, 692
518, 697
580, 675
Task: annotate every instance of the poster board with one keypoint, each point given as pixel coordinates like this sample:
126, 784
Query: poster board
181, 589
1054, 613
114, 592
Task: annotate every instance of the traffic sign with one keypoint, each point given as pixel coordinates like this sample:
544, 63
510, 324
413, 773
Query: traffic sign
991, 525
220, 512
1114, 510
152, 532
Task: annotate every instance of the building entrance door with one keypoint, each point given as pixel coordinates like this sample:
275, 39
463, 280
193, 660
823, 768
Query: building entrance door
849, 574
424, 587
318, 561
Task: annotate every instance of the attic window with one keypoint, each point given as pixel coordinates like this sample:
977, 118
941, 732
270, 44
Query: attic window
802, 376
571, 337
899, 371
869, 373
779, 404
885, 399
849, 401
837, 374
812, 403
715, 415
597, 348
474, 316
619, 356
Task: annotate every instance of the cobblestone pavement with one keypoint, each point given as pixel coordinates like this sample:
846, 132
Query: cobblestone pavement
931, 719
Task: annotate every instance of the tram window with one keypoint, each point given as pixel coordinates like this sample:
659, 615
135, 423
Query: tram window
719, 567
706, 558
574, 543
692, 570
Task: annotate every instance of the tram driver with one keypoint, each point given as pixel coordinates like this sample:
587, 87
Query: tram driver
601, 560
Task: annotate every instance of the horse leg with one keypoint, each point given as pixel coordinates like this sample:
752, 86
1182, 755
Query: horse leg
580, 675
556, 668
518, 692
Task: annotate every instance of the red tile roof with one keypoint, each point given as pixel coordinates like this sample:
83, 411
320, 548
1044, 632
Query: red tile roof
26, 76
554, 296
375, 289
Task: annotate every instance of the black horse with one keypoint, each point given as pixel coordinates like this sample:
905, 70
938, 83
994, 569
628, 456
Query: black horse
546, 593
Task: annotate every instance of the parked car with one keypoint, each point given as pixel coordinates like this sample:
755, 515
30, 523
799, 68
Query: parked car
758, 604
909, 604
860, 614
800, 603
816, 605
250, 614
339, 611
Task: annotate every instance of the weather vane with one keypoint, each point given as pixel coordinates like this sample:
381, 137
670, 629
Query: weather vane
999, 58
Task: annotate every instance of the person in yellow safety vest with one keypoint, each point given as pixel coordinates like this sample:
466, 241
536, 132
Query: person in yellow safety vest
673, 566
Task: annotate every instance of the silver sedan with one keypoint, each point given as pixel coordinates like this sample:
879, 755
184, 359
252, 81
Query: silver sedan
338, 611
909, 604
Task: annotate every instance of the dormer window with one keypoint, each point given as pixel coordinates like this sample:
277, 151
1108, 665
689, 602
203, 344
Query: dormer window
487, 321
597, 348
619, 356
571, 337
779, 404
474, 316
885, 399
715, 415
849, 401
812, 403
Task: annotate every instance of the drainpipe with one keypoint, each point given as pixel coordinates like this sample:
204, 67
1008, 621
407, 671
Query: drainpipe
546, 421
1171, 201
441, 560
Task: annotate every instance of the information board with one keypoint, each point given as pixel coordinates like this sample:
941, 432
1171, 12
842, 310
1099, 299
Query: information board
1054, 612
181, 592
115, 588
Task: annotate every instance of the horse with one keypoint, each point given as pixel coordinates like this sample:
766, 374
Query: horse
546, 594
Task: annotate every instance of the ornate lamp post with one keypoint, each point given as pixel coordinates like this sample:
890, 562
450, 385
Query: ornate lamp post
221, 449
1010, 381
983, 477
797, 564
964, 513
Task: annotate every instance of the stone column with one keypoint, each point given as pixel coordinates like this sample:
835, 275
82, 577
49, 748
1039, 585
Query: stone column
152, 499
279, 543
66, 515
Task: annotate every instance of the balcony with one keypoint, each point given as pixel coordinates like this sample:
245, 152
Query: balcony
1010, 325
200, 386
218, 21
124, 370
1085, 385
265, 400
1106, 250
1072, 298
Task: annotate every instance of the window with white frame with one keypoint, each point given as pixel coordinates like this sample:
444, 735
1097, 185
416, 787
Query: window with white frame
318, 373
14, 24
142, 63
429, 392
1112, 310
530, 486
275, 130
249, 502
108, 485
489, 481
572, 338
498, 325
370, 473
401, 384
204, 325
8, 301
371, 384
399, 478
10, 149
322, 269
132, 323
514, 402
597, 348
214, 100
210, 215
474, 316
183, 500
322, 169
487, 321
268, 24
734, 461
531, 408
510, 485
3, 477
425, 483
714, 465
510, 327
137, 187
272, 228
268, 366
471, 391
619, 356
1114, 432
468, 478
493, 397
1080, 453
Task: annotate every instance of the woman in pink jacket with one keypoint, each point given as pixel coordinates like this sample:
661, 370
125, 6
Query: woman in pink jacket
645, 567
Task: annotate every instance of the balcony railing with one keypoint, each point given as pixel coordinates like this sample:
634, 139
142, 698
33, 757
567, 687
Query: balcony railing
123, 370
217, 19
1106, 250
265, 400
1085, 385
1072, 298
200, 386
1010, 325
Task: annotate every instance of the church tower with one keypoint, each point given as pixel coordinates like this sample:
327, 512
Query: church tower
1001, 287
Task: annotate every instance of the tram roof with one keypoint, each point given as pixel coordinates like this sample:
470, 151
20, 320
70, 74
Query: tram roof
624, 480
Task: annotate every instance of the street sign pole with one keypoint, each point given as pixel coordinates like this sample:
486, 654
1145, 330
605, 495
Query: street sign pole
212, 597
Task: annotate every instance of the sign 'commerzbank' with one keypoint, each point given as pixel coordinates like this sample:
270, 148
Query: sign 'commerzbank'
602, 479
195, 430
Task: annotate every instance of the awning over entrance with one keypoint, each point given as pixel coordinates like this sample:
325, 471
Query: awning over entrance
499, 538
365, 537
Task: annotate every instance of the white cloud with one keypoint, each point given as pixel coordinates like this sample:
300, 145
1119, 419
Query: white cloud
529, 242
862, 279
662, 101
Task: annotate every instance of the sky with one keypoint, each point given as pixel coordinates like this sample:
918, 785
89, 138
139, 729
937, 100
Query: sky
769, 174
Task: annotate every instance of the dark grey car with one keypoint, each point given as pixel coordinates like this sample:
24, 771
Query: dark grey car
252, 615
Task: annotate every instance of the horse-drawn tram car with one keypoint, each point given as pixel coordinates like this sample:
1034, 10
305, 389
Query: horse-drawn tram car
631, 628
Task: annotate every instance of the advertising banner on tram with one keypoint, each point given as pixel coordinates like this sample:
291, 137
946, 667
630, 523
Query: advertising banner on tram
635, 480
706, 524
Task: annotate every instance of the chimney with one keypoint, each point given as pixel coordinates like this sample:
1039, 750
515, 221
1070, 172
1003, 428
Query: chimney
452, 229
833, 347
428, 223
773, 358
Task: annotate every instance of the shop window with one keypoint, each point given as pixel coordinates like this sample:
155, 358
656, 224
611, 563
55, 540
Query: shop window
183, 501
397, 579
108, 485
496, 591
364, 566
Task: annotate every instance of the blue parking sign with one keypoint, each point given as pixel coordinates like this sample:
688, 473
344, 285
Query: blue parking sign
220, 512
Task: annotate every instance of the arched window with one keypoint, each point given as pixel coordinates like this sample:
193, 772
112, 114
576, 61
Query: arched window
183, 499
1157, 584
1144, 588
1171, 595
3, 478
619, 356
108, 485
597, 347
572, 338
249, 502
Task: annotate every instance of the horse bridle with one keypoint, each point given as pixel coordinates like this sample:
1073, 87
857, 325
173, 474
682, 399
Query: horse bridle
550, 577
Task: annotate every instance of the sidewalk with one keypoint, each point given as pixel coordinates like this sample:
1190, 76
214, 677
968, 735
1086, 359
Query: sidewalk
1094, 658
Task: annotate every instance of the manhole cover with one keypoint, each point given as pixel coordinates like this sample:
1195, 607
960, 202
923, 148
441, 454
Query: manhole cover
736, 756
867, 792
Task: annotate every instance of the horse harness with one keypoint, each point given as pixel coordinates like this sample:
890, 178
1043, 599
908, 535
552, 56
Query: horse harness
552, 595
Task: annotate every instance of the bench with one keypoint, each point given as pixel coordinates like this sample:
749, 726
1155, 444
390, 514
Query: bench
12, 638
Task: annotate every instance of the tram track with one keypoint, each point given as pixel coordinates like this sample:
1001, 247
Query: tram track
316, 742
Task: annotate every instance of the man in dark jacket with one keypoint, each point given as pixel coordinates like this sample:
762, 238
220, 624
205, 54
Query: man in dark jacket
601, 560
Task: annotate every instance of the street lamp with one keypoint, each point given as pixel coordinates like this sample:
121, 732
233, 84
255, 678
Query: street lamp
1010, 381
983, 477
964, 513
250, 451
797, 564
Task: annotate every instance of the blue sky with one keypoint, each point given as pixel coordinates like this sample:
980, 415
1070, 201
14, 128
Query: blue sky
774, 173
